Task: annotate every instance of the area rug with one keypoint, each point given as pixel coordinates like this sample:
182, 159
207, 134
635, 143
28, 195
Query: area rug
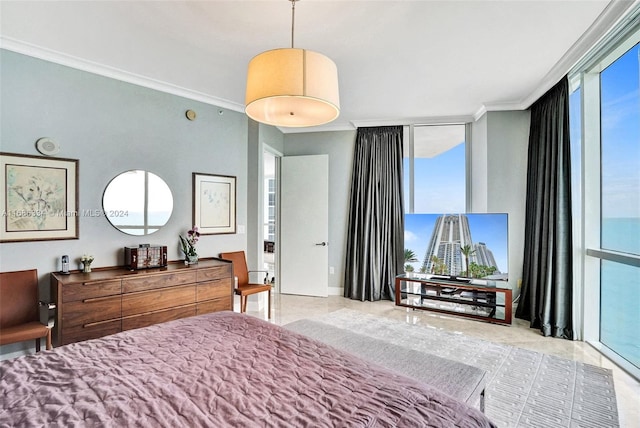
524, 388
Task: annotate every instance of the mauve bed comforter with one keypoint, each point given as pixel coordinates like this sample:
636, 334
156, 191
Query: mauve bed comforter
214, 370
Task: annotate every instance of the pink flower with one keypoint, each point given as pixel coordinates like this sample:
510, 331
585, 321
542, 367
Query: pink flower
189, 243
193, 235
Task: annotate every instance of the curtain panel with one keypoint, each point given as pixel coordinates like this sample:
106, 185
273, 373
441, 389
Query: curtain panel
546, 298
375, 231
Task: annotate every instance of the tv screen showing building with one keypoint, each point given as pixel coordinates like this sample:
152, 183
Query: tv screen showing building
467, 245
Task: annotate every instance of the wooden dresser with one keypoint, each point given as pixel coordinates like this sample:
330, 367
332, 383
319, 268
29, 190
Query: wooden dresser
107, 301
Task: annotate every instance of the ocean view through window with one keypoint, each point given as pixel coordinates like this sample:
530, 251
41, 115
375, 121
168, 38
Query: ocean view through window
620, 205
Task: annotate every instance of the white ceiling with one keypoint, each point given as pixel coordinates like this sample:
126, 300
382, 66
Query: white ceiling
399, 62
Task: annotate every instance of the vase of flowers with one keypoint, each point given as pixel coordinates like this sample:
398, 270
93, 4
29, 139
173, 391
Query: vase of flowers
189, 245
86, 263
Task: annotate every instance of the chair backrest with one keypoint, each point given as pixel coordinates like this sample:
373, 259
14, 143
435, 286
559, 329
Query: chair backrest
18, 297
239, 266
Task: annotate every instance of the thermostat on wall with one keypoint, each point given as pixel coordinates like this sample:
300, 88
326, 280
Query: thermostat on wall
47, 146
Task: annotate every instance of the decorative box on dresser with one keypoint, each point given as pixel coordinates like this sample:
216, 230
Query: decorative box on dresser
107, 301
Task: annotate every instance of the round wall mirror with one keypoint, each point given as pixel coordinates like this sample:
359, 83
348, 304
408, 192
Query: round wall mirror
137, 202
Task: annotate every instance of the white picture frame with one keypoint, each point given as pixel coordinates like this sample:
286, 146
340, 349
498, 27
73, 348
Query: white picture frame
214, 203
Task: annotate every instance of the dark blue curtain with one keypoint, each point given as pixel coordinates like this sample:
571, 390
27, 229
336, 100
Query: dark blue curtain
375, 232
547, 283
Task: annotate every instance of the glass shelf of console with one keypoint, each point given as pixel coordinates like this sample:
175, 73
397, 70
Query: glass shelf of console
480, 299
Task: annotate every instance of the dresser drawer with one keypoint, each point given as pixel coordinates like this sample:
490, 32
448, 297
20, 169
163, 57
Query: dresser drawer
223, 304
151, 282
90, 331
91, 310
155, 300
144, 320
89, 290
214, 289
216, 272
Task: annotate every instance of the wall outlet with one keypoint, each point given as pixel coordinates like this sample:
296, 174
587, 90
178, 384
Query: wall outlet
331, 270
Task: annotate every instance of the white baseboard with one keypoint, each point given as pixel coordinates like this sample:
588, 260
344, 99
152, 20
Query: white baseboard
335, 291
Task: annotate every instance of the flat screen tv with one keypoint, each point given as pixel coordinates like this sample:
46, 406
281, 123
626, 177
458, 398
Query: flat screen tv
458, 245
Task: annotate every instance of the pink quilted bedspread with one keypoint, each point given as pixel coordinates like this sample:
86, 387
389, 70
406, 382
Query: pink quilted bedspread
214, 370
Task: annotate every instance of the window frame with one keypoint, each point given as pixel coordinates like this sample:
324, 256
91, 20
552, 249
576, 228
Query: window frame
588, 253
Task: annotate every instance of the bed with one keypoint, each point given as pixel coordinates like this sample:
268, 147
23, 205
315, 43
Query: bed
219, 369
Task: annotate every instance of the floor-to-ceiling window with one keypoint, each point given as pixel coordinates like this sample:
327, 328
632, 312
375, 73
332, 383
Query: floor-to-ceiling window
435, 169
605, 124
620, 205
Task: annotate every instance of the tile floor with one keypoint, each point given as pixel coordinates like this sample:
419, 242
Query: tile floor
288, 308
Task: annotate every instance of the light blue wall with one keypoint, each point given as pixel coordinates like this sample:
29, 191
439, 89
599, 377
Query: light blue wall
272, 137
508, 142
500, 143
478, 166
111, 126
261, 137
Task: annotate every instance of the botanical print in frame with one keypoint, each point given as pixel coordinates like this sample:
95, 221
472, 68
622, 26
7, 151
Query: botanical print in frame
214, 203
39, 198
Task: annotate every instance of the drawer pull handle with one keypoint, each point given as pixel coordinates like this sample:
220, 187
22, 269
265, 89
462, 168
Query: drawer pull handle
98, 299
107, 282
93, 324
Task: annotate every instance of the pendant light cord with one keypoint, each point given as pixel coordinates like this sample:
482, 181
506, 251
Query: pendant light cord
293, 19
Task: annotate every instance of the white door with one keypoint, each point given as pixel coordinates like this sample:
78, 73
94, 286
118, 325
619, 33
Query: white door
304, 228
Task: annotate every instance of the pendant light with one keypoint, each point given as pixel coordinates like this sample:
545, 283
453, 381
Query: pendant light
292, 87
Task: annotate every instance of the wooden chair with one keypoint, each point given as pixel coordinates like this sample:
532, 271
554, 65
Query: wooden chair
19, 309
244, 288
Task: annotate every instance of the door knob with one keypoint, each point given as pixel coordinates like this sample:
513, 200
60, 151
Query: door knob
322, 244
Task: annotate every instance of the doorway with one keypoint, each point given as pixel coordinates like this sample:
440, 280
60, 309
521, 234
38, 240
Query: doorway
270, 218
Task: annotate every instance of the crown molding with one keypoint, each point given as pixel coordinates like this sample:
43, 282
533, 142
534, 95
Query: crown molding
114, 73
613, 13
610, 16
366, 123
434, 120
506, 106
479, 113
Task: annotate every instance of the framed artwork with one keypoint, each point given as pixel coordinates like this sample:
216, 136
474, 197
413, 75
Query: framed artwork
39, 199
214, 203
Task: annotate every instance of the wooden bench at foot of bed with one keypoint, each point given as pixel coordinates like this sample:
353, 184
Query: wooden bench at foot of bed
461, 381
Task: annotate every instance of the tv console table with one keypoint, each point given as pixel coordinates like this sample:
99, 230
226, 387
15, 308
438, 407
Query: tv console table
467, 298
